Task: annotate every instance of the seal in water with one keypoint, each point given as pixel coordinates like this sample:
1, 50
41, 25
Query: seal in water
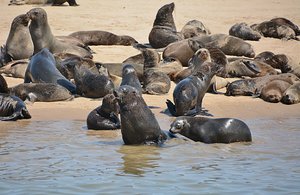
164, 30
12, 108
42, 36
42, 69
243, 31
209, 130
138, 123
129, 77
41, 92
105, 117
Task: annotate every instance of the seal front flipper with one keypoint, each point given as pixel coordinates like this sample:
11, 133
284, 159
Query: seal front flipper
171, 107
252, 66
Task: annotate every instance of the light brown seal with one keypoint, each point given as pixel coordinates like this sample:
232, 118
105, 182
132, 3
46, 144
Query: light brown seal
292, 94
194, 28
287, 22
16, 68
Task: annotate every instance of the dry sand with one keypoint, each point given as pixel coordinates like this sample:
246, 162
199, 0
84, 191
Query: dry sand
135, 18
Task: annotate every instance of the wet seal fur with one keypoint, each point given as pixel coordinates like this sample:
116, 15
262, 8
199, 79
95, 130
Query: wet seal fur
105, 117
189, 92
164, 30
98, 37
42, 69
12, 108
243, 31
41, 92
209, 130
138, 123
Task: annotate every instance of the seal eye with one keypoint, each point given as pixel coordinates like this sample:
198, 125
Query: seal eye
178, 125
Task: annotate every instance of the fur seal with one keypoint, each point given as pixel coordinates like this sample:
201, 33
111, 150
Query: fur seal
12, 108
16, 68
164, 30
41, 92
18, 44
266, 57
138, 123
53, 2
42, 36
189, 92
88, 83
286, 22
105, 117
254, 86
292, 94
129, 77
243, 31
273, 91
194, 28
42, 69
98, 37
209, 130
3, 85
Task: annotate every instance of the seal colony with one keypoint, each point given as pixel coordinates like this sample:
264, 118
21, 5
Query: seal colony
66, 62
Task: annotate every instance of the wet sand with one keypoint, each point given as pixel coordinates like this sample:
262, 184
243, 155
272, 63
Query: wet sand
135, 18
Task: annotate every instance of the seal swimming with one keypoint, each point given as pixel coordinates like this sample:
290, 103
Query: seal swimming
138, 123
209, 130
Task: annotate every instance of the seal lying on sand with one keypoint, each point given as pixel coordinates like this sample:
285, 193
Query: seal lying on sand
98, 37
208, 130
194, 28
243, 31
292, 94
164, 30
138, 123
273, 91
189, 92
12, 108
41, 92
42, 36
16, 68
286, 22
105, 117
42, 69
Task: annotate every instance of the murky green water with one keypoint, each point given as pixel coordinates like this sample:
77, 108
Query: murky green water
62, 157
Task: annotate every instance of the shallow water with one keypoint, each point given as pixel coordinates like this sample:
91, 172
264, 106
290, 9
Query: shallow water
62, 157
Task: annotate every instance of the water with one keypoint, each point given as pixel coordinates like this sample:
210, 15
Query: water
62, 157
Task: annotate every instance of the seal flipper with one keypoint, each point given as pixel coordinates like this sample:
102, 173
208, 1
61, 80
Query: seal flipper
171, 107
252, 66
195, 112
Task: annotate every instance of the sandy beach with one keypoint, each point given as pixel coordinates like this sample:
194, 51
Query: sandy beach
135, 18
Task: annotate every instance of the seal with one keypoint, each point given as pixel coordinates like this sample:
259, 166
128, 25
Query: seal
209, 130
273, 91
12, 108
266, 57
16, 68
105, 117
292, 94
243, 31
287, 22
88, 83
129, 77
42, 69
3, 85
138, 123
41, 92
155, 81
189, 92
253, 86
194, 28
53, 2
164, 30
18, 44
42, 36
98, 37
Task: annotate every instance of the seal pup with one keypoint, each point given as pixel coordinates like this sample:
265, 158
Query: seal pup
138, 123
42, 69
41, 92
243, 31
105, 117
90, 84
12, 108
16, 68
98, 37
209, 130
42, 36
292, 94
273, 91
18, 44
194, 28
189, 92
129, 77
164, 30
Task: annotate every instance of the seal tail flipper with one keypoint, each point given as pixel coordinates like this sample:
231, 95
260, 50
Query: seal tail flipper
171, 107
12, 117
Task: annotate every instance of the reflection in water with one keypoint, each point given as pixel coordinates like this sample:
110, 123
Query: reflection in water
138, 159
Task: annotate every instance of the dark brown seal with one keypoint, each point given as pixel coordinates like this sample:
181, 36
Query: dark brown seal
194, 28
287, 22
105, 117
16, 68
42, 36
243, 31
98, 37
138, 123
129, 77
273, 91
210, 130
292, 94
164, 30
